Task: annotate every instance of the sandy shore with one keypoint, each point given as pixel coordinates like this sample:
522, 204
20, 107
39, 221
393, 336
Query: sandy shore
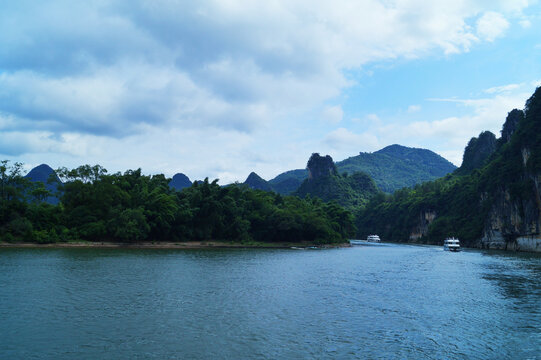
170, 245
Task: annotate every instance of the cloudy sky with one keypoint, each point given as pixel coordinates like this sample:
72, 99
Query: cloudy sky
222, 88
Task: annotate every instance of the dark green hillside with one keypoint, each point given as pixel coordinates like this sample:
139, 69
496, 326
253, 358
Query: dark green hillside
396, 166
289, 181
491, 201
326, 183
392, 168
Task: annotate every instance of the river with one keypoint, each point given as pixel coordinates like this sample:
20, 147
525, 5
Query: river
366, 302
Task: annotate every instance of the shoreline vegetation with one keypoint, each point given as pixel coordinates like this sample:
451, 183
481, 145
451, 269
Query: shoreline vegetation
174, 245
131, 208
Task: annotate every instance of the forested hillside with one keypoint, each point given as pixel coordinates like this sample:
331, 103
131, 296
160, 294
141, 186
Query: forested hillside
324, 182
493, 201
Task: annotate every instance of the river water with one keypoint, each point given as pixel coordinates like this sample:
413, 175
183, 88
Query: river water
366, 302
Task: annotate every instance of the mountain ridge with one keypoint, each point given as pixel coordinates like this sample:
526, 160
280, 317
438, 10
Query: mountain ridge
392, 167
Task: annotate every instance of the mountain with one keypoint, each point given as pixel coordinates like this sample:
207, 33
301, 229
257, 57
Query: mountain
392, 168
255, 182
478, 151
180, 181
289, 181
496, 206
396, 166
326, 183
42, 173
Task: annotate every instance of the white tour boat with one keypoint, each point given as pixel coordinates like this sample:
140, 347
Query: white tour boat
370, 240
451, 244
373, 238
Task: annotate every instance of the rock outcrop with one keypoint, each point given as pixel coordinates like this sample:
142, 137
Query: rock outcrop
478, 151
513, 118
319, 166
324, 182
425, 219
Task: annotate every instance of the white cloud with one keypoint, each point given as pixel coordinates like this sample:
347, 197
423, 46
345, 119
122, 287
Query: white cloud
414, 108
491, 26
83, 80
526, 24
373, 118
333, 114
448, 136
345, 141
502, 89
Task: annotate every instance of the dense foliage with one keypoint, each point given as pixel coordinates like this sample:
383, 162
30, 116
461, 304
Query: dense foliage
350, 191
461, 202
455, 200
132, 207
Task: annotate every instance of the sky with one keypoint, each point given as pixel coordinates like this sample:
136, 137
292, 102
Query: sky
221, 88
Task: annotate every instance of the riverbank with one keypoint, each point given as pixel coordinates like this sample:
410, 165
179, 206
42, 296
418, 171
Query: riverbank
173, 245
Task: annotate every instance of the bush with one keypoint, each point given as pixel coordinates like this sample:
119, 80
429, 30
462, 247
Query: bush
21, 228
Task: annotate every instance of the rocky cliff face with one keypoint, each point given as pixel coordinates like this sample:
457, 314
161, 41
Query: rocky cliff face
514, 220
478, 151
511, 123
319, 166
351, 191
425, 219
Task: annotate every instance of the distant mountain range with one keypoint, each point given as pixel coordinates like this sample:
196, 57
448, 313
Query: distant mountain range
392, 168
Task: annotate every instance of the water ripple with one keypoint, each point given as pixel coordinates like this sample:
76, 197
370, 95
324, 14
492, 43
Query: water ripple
411, 302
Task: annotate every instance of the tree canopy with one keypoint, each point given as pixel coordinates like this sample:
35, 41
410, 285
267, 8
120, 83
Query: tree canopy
132, 207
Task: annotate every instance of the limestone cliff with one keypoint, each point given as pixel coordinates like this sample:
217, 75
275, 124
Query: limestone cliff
319, 166
421, 229
493, 201
477, 152
514, 220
